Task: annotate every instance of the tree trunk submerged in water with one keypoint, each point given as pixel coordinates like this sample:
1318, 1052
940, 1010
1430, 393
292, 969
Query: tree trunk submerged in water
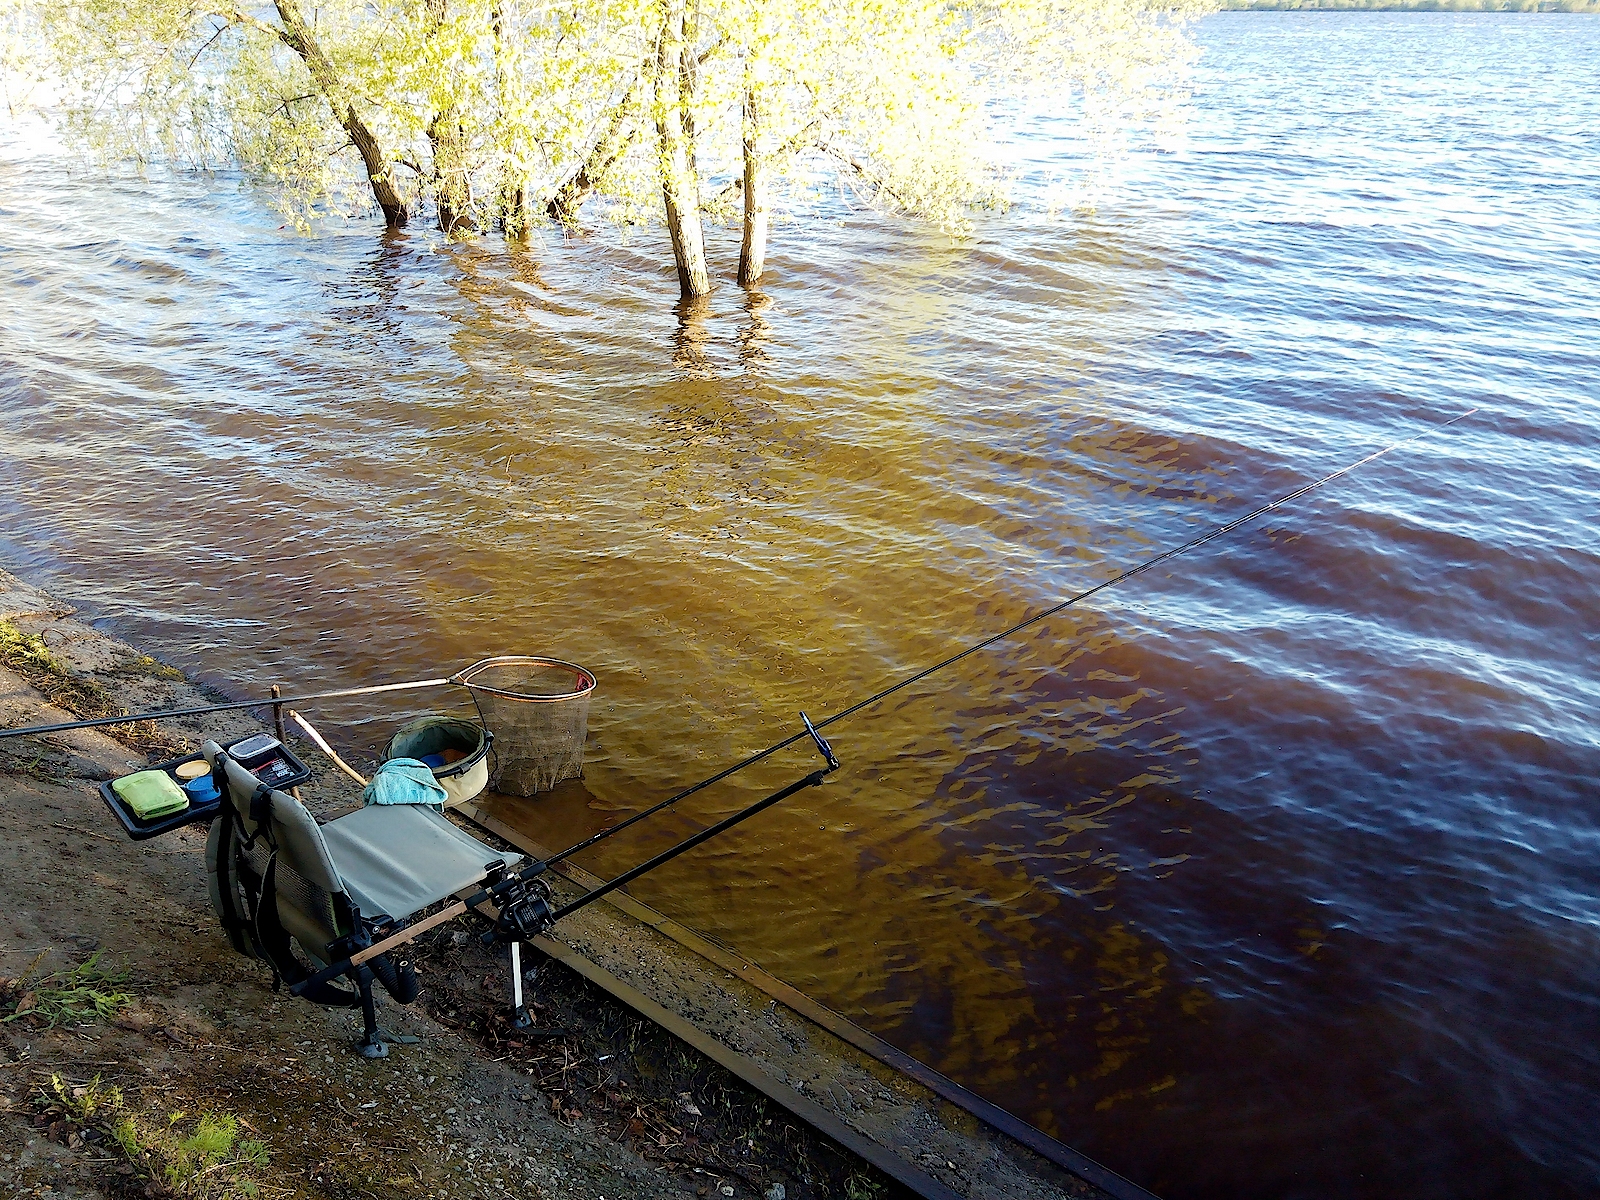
450, 192
680, 186
296, 34
512, 185
753, 246
447, 141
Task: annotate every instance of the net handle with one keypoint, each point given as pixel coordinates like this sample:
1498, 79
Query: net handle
585, 678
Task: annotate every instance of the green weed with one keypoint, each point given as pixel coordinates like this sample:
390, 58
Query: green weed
204, 1158
86, 992
212, 1145
86, 1101
126, 1134
29, 656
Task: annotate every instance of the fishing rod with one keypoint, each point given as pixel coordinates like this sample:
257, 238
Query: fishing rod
1046, 614
234, 706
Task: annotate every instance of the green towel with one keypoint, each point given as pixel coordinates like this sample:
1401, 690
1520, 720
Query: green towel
151, 794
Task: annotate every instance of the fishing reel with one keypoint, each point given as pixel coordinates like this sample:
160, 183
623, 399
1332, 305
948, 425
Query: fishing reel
524, 906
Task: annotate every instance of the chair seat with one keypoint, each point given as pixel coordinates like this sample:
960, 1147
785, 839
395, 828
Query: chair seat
400, 858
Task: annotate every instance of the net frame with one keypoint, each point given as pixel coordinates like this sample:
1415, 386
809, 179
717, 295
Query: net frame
538, 735
583, 675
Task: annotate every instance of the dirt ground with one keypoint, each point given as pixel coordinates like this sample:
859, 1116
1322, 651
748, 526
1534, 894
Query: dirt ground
192, 1077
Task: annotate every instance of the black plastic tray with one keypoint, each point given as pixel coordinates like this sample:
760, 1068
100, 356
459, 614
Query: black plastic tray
139, 830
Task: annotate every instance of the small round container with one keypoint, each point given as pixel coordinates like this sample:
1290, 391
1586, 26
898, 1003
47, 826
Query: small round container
201, 789
185, 771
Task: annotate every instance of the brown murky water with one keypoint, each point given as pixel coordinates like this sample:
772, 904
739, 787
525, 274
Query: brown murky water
1270, 874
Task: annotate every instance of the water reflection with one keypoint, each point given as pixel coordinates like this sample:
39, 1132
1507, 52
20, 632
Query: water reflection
363, 299
757, 332
692, 338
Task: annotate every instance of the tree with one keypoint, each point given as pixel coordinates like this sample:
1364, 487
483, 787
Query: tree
678, 110
20, 67
896, 94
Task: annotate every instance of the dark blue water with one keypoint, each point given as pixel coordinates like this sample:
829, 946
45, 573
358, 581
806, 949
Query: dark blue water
1271, 873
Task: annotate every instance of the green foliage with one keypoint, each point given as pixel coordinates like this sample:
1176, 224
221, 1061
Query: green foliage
205, 1159
126, 1134
29, 656
501, 99
84, 993
859, 1187
86, 1102
213, 1144
19, 58
26, 653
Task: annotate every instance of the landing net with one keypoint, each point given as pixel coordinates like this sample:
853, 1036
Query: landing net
538, 710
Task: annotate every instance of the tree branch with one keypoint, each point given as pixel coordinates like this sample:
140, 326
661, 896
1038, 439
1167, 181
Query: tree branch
207, 44
804, 139
234, 16
711, 50
867, 173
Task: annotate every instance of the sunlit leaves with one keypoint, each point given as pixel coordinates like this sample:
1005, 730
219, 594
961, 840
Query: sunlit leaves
507, 99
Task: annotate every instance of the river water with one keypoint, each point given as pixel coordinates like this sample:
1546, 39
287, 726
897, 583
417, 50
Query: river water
1271, 873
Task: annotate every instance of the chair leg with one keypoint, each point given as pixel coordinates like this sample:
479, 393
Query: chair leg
372, 1043
519, 1011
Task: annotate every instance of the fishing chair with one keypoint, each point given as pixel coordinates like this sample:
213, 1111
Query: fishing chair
308, 899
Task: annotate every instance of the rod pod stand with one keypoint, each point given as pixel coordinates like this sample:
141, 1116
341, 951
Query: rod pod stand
524, 913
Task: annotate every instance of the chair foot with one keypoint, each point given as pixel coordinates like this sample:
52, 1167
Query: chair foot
376, 1043
520, 1018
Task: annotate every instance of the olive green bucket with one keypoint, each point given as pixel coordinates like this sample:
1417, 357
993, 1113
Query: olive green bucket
463, 779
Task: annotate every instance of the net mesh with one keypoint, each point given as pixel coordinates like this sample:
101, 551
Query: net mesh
538, 711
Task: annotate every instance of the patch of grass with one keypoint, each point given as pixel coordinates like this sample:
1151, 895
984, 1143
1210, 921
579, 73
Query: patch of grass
204, 1157
28, 655
212, 1145
85, 993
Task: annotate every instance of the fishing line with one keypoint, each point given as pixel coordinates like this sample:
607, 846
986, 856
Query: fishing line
1046, 614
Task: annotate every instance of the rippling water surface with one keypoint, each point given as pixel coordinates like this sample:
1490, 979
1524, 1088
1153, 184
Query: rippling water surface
1272, 873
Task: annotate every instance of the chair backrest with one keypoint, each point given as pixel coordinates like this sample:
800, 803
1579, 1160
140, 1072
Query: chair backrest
311, 901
